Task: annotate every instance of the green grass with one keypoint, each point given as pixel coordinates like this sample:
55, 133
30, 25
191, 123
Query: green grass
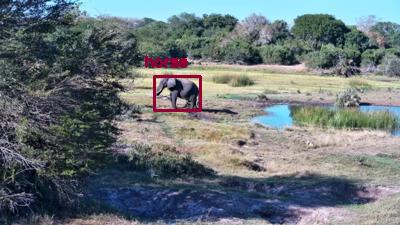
240, 81
232, 80
361, 85
222, 79
344, 118
164, 160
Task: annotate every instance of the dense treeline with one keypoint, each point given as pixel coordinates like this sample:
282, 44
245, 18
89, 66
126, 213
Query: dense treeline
319, 40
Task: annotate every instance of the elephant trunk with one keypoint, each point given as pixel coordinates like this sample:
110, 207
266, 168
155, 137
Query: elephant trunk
160, 88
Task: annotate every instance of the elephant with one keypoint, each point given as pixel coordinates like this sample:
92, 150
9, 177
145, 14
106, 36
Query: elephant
182, 88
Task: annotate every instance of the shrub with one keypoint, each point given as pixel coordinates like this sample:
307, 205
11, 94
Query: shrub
348, 98
240, 81
234, 81
329, 56
240, 51
353, 56
164, 161
222, 79
344, 118
277, 54
390, 66
356, 39
372, 57
300, 48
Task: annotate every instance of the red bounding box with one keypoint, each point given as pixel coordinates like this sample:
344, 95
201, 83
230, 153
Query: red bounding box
200, 95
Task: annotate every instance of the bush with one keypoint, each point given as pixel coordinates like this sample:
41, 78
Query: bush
356, 39
234, 81
277, 54
240, 81
372, 57
164, 161
329, 56
222, 79
390, 66
344, 118
240, 51
348, 98
353, 56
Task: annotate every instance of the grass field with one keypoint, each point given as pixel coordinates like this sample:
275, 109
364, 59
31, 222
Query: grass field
272, 81
330, 176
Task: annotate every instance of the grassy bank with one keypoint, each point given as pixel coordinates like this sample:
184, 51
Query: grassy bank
344, 118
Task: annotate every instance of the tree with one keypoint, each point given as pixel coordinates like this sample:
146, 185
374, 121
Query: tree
218, 21
57, 101
371, 58
389, 31
240, 51
364, 24
155, 39
356, 40
251, 29
390, 66
277, 54
329, 56
185, 23
280, 30
319, 29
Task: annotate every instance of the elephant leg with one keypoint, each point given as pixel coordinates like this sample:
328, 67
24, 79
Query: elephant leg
187, 104
193, 100
174, 96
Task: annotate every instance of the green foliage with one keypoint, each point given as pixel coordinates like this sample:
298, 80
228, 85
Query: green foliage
277, 54
193, 45
372, 57
163, 161
222, 79
360, 85
344, 118
352, 56
240, 51
155, 40
54, 68
241, 80
217, 21
319, 29
357, 40
279, 31
233, 80
390, 31
329, 56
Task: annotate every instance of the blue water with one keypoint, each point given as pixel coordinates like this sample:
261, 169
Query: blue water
279, 116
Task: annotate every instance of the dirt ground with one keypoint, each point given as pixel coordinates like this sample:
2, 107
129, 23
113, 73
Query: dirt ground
292, 176
299, 175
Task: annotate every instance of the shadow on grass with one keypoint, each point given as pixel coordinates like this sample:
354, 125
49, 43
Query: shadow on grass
278, 199
227, 111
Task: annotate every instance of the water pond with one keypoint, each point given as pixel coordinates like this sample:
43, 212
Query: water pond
279, 116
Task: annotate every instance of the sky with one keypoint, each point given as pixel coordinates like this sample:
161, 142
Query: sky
349, 11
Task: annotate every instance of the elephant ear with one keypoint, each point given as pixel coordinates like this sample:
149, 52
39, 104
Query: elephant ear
171, 83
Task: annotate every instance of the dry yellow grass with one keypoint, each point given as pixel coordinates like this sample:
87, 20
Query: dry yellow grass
271, 81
